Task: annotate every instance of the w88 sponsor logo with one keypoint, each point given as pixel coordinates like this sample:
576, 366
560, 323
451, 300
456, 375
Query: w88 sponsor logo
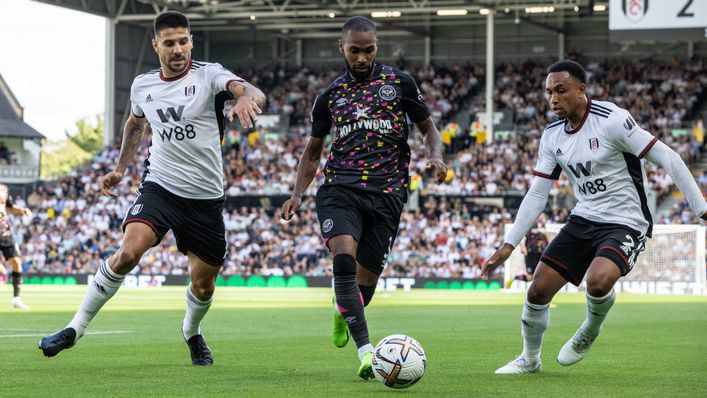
178, 133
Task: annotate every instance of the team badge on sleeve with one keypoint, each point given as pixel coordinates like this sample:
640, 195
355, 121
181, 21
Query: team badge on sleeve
594, 144
136, 209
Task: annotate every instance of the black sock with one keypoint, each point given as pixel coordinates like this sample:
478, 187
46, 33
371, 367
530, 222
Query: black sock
16, 280
348, 298
367, 293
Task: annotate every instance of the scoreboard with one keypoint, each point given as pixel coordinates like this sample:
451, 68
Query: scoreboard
658, 20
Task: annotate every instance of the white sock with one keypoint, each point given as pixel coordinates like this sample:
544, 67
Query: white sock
364, 348
105, 284
597, 308
534, 321
196, 310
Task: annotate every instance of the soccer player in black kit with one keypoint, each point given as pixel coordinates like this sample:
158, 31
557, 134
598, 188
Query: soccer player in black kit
9, 248
366, 175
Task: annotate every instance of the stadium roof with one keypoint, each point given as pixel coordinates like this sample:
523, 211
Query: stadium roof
11, 114
325, 15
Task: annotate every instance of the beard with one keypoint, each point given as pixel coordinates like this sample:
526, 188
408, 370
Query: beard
357, 73
175, 69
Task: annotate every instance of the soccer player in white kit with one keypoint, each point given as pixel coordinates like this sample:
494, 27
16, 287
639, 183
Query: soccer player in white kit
600, 148
182, 187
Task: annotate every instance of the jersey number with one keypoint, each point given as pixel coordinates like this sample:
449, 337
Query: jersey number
592, 187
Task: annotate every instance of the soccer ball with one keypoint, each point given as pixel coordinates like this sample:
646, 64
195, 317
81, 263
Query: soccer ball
399, 361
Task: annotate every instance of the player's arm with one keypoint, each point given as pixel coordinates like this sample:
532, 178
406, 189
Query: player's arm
132, 133
17, 210
414, 106
663, 156
309, 161
249, 102
433, 148
546, 172
530, 208
630, 137
306, 170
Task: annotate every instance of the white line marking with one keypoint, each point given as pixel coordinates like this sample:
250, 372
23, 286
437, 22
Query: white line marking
97, 332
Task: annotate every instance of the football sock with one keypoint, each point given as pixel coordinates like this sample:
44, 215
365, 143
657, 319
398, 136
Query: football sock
196, 310
348, 298
597, 308
16, 280
105, 284
364, 349
534, 321
367, 293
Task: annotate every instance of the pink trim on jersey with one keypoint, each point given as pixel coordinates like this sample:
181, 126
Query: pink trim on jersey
143, 221
623, 257
543, 175
181, 75
584, 119
228, 83
648, 147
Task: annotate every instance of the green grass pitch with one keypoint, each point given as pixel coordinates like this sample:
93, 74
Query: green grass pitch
276, 343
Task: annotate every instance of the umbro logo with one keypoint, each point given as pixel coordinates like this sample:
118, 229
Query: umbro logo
559, 152
149, 98
341, 102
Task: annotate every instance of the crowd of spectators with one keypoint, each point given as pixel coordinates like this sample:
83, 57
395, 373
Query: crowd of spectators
74, 227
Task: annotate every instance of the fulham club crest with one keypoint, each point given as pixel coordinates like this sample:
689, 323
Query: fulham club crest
136, 209
189, 90
594, 144
634, 10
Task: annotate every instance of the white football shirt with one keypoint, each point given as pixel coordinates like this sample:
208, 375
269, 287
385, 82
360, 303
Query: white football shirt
185, 154
602, 158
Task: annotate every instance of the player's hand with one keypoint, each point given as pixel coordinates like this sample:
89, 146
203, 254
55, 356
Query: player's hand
289, 207
247, 111
26, 212
497, 259
440, 169
109, 181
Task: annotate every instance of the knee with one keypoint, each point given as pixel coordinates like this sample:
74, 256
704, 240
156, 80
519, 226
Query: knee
126, 259
203, 290
537, 295
599, 284
344, 264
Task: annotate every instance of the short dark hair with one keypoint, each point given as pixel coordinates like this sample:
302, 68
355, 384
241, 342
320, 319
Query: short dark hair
170, 19
358, 24
573, 68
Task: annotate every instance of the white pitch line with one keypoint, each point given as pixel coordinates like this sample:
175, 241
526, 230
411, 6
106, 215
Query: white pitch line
20, 330
97, 332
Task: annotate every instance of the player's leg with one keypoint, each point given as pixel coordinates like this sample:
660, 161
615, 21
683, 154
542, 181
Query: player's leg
202, 236
199, 297
566, 259
3, 273
381, 217
110, 275
535, 319
608, 266
349, 300
341, 225
16, 266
